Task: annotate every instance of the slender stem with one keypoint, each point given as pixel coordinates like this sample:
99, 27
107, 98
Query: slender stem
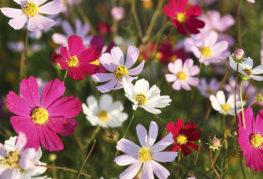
242, 166
137, 23
212, 164
153, 21
252, 103
86, 159
94, 134
198, 150
66, 74
238, 24
235, 97
242, 107
23, 62
65, 169
129, 125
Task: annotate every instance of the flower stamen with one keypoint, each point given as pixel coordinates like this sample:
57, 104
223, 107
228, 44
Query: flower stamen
120, 72
30, 9
144, 154
40, 115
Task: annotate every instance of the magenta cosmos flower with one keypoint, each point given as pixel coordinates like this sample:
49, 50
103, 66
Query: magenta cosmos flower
114, 62
40, 118
183, 74
148, 155
78, 59
250, 139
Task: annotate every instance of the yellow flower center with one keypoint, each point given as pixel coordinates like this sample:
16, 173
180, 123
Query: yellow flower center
30, 9
173, 58
120, 72
103, 115
158, 55
226, 107
11, 160
206, 51
39, 115
181, 75
144, 154
256, 140
181, 17
95, 62
209, 91
73, 61
247, 71
181, 139
140, 98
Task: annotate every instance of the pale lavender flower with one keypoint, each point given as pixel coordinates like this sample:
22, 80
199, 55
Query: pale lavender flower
251, 1
114, 63
206, 89
81, 30
146, 156
208, 50
201, 2
30, 13
117, 13
20, 47
17, 161
183, 74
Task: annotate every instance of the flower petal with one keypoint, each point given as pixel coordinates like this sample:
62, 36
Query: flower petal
124, 160
49, 139
11, 12
102, 77
127, 146
163, 144
117, 56
153, 132
75, 45
165, 156
51, 8
63, 126
17, 105
18, 22
159, 170
137, 70
39, 22
142, 134
132, 56
131, 171
147, 171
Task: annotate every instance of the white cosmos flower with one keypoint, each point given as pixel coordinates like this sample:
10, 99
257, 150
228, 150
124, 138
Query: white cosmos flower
30, 13
143, 96
17, 162
246, 68
105, 113
224, 107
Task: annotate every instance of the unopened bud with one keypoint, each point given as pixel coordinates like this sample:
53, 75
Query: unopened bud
215, 144
239, 54
259, 97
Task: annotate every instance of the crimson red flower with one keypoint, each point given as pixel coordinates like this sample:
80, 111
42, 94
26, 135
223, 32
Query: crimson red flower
185, 20
184, 137
78, 59
168, 54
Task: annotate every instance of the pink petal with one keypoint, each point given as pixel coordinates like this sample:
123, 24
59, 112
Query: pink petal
127, 146
75, 45
142, 134
11, 173
64, 53
26, 159
89, 55
21, 141
124, 160
75, 73
30, 92
170, 77
51, 8
63, 126
67, 107
132, 56
107, 86
49, 140
18, 22
53, 90
63, 64
11, 12
17, 105
131, 171
137, 70
107, 61
117, 56
102, 77
165, 156
177, 85
88, 69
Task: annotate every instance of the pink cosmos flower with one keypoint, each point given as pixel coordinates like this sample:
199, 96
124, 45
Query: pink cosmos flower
114, 62
250, 139
41, 117
78, 59
183, 74
30, 13
206, 89
208, 50
117, 13
146, 155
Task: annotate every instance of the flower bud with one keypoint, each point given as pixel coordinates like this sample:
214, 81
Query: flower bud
239, 54
117, 13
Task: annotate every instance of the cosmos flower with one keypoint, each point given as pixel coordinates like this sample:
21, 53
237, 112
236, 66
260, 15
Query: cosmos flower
184, 20
183, 74
114, 63
81, 30
206, 89
30, 13
208, 50
250, 138
251, 1
145, 97
184, 136
146, 156
78, 59
41, 117
117, 13
224, 107
246, 68
18, 162
105, 113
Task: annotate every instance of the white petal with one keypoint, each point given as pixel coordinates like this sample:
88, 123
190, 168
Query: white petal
39, 22
132, 56
124, 160
108, 62
18, 23
131, 171
147, 171
51, 8
163, 144
142, 134
127, 146
67, 28
214, 102
117, 56
153, 132
11, 12
257, 70
159, 170
59, 39
221, 97
165, 156
105, 102
141, 86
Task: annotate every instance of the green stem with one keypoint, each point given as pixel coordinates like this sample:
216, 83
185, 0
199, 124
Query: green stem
252, 103
23, 62
66, 74
137, 23
129, 125
242, 107
94, 134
